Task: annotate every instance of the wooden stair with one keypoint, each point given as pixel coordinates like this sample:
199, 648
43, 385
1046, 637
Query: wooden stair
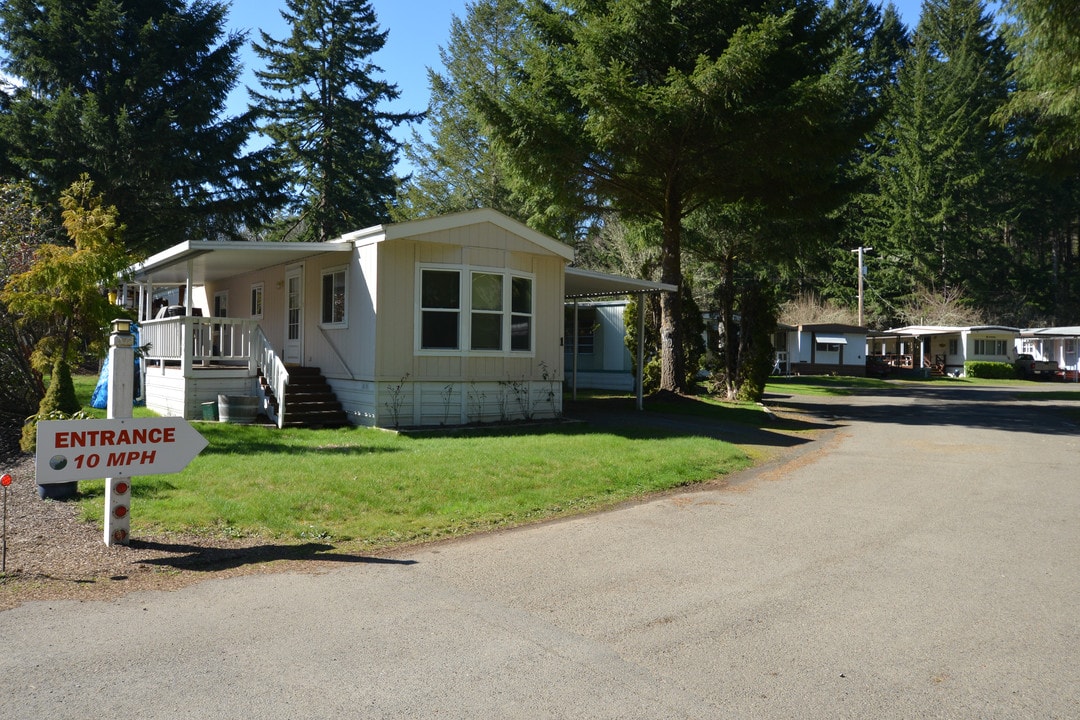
309, 400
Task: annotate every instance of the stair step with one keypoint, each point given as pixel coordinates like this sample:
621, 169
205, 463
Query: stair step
321, 389
309, 400
316, 419
293, 398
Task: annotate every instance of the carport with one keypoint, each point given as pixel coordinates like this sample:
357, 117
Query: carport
592, 285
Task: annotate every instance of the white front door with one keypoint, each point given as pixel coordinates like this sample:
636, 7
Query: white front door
293, 352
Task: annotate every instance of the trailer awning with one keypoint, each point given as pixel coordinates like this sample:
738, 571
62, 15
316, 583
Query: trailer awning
831, 339
582, 284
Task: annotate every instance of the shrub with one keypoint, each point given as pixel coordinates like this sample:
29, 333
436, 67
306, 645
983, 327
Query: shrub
61, 393
59, 403
989, 370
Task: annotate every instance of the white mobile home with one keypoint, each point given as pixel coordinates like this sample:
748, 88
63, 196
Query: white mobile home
447, 320
1054, 344
941, 349
821, 349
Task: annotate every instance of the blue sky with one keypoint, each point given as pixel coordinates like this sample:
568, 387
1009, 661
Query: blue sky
417, 29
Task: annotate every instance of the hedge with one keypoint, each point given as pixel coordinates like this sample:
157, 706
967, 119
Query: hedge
989, 370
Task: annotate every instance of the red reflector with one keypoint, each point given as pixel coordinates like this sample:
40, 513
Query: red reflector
120, 511
120, 487
5, 480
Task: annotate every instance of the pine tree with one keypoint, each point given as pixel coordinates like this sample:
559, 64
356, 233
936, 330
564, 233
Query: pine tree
656, 109
61, 289
132, 93
320, 107
1046, 39
947, 171
458, 169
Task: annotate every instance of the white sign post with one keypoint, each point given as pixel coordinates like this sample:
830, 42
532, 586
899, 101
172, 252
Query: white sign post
119, 405
116, 448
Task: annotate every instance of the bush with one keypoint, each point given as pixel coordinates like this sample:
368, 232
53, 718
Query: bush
61, 393
989, 370
59, 403
28, 441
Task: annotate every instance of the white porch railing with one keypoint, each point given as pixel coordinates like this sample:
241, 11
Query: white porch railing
195, 341
275, 372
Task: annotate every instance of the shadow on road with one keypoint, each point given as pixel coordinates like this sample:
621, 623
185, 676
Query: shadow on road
989, 407
206, 558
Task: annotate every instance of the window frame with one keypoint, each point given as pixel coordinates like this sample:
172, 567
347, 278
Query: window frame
257, 306
466, 312
995, 345
221, 304
331, 272
585, 342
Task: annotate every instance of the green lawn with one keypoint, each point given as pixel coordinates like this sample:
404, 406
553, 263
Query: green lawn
379, 488
824, 385
845, 385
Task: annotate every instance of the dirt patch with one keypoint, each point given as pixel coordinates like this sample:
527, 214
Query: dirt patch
52, 554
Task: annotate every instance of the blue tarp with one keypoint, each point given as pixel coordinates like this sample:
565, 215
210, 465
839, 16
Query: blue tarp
100, 398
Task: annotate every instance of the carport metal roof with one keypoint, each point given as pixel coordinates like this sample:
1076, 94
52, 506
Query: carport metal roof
582, 284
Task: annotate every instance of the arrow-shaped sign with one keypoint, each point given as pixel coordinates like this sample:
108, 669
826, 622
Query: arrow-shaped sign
70, 450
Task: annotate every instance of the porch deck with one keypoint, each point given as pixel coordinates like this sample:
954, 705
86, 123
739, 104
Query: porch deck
189, 361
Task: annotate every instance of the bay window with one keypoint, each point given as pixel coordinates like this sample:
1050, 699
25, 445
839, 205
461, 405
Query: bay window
475, 310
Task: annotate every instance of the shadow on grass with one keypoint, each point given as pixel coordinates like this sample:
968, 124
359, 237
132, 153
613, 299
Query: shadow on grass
660, 420
738, 424
608, 414
276, 446
205, 558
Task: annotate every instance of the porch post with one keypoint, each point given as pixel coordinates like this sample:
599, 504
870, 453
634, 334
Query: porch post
147, 306
187, 288
187, 345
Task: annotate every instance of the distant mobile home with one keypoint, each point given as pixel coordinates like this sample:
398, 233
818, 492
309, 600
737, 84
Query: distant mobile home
820, 349
940, 349
1055, 344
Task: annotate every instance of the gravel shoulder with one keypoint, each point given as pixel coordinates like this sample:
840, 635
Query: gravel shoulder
52, 554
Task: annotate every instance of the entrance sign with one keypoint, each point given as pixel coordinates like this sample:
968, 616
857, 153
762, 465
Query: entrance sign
70, 450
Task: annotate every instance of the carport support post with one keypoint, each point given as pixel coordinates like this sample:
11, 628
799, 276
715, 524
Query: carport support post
121, 389
641, 351
574, 357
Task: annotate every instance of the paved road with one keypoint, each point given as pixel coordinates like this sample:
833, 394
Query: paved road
921, 561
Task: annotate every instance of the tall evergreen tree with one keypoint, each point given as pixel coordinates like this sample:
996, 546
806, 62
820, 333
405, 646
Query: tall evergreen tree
458, 169
946, 173
1046, 39
320, 106
132, 93
655, 109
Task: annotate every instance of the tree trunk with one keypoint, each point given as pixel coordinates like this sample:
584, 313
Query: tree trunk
672, 360
727, 319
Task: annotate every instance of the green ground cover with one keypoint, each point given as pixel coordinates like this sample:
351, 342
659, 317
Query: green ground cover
380, 488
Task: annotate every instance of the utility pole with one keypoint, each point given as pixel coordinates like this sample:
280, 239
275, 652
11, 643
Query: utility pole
862, 273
